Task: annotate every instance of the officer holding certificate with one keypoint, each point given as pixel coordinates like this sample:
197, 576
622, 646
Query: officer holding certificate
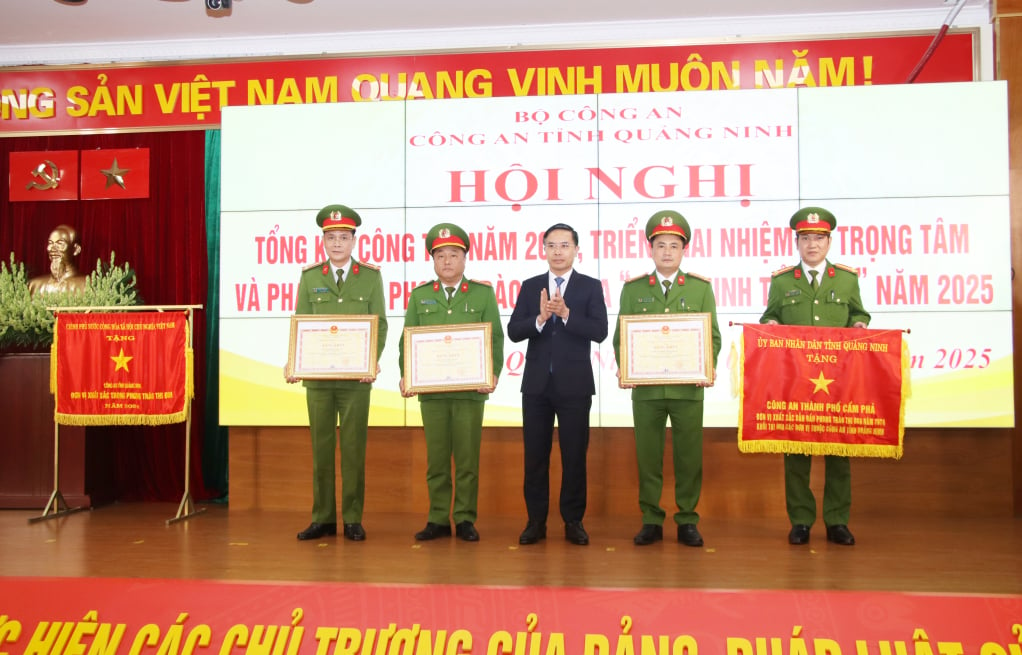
453, 420
667, 289
339, 285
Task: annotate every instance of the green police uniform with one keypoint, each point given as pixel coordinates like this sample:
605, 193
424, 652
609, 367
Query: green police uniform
835, 302
347, 400
453, 421
652, 405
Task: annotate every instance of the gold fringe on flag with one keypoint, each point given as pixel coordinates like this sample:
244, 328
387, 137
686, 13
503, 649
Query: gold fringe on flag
815, 448
120, 419
189, 374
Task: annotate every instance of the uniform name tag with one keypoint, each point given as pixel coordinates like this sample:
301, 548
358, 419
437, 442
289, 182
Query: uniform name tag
792, 292
320, 290
643, 300
427, 301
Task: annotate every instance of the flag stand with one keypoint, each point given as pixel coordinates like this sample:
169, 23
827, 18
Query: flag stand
186, 508
57, 506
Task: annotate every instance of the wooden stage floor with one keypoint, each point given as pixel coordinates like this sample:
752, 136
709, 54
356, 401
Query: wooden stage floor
974, 556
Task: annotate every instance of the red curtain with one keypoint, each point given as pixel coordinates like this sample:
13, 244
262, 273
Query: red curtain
163, 237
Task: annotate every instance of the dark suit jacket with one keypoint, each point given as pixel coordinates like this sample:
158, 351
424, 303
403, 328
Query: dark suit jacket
565, 345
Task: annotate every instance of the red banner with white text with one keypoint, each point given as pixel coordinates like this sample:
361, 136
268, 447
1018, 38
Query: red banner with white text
132, 368
822, 391
190, 96
186, 617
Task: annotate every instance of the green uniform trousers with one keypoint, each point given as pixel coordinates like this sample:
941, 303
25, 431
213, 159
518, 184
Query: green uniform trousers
650, 418
454, 430
351, 407
837, 490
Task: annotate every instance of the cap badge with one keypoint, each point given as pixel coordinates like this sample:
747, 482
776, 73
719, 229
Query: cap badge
667, 221
813, 218
335, 216
445, 233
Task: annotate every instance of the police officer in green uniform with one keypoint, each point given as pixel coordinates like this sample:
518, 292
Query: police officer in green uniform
667, 290
339, 285
452, 421
816, 292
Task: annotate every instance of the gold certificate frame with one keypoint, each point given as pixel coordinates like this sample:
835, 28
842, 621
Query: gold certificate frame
666, 349
455, 357
332, 346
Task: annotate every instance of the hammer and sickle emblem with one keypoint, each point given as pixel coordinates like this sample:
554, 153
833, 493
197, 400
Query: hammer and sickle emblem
47, 172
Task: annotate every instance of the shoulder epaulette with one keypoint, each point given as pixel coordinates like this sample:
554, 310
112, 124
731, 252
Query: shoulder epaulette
847, 268
782, 271
698, 276
483, 282
312, 266
372, 267
637, 277
426, 283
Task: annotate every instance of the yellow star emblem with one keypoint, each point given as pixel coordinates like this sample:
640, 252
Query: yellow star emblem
122, 361
821, 383
115, 175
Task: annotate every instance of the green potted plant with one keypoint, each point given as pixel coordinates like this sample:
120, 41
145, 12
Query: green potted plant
26, 325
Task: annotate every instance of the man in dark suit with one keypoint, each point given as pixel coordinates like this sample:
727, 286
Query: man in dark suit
561, 313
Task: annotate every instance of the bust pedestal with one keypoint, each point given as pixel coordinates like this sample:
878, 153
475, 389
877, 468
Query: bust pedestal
26, 441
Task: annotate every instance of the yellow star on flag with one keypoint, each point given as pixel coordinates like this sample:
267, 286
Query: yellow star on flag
821, 383
122, 361
115, 175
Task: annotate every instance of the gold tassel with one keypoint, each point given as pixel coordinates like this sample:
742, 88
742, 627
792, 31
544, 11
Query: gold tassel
53, 365
189, 374
780, 446
119, 419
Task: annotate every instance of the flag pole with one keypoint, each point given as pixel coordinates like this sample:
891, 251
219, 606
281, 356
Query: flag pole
186, 508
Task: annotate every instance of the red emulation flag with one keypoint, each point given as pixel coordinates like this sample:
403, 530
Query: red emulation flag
131, 368
43, 175
115, 173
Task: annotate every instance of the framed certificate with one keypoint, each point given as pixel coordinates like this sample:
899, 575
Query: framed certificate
666, 349
332, 346
448, 357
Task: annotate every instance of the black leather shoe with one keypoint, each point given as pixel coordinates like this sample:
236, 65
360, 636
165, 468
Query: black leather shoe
689, 535
466, 531
575, 533
433, 531
799, 535
839, 534
354, 532
318, 530
533, 532
648, 534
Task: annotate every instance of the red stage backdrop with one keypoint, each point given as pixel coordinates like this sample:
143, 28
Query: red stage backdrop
130, 368
822, 391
